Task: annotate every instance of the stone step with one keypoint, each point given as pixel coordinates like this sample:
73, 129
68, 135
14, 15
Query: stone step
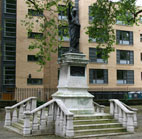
18, 125
21, 121
83, 122
92, 117
101, 135
12, 128
99, 131
97, 126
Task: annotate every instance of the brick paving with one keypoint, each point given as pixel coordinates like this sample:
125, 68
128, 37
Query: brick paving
6, 134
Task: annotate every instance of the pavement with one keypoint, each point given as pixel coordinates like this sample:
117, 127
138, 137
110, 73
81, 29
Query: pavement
6, 134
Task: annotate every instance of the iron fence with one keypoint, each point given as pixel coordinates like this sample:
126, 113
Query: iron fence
43, 94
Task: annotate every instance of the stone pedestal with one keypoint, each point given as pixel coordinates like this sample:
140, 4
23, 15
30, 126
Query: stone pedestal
72, 86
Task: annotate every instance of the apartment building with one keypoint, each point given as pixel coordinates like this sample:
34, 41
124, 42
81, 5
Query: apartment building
18, 64
8, 45
123, 70
121, 73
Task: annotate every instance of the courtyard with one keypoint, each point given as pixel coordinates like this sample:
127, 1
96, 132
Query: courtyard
5, 134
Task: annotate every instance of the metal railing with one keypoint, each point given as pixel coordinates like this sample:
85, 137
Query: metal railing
43, 94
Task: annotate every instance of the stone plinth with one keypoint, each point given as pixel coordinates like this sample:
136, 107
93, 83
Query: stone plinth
72, 87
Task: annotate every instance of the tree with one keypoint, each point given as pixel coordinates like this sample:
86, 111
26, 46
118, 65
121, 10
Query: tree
104, 15
46, 12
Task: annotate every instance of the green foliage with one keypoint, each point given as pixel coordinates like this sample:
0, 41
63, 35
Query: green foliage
105, 13
48, 25
39, 103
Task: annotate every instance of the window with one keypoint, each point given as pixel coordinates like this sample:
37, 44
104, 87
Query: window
34, 81
63, 33
122, 22
10, 6
140, 20
9, 51
32, 58
124, 37
62, 50
140, 37
9, 75
98, 76
118, 22
34, 35
91, 39
90, 17
125, 57
33, 12
10, 28
95, 55
125, 77
62, 12
94, 15
141, 56
101, 38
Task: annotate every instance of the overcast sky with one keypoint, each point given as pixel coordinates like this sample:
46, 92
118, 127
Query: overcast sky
139, 2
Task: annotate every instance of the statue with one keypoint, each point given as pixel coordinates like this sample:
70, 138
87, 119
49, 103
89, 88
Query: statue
74, 29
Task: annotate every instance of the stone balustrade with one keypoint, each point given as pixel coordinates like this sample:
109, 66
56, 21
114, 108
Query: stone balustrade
135, 113
98, 108
51, 118
124, 114
16, 112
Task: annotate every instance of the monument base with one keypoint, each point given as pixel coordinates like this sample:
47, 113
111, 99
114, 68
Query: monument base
77, 101
72, 87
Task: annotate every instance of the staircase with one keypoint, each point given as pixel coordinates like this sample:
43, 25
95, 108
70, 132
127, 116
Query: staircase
54, 118
85, 126
96, 126
18, 127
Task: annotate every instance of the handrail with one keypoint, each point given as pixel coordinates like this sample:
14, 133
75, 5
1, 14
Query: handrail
99, 108
63, 107
20, 103
120, 104
16, 112
102, 106
56, 120
42, 106
128, 107
126, 115
59, 102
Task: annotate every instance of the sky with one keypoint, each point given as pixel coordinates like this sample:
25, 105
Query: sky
139, 2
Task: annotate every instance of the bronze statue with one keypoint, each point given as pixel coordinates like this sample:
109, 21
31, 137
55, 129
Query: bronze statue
74, 29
